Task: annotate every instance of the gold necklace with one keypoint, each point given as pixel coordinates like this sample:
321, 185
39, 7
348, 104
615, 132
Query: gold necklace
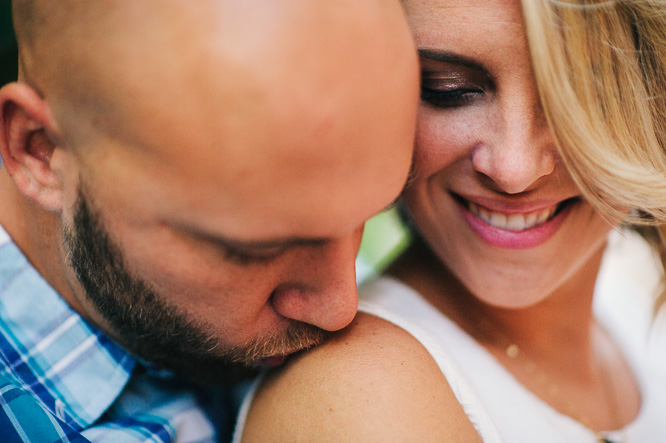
484, 327
513, 352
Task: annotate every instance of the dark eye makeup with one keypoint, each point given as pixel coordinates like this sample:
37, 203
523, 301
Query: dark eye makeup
450, 81
449, 97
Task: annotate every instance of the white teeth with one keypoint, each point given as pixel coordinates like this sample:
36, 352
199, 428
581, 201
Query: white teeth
543, 216
497, 219
484, 215
531, 219
513, 222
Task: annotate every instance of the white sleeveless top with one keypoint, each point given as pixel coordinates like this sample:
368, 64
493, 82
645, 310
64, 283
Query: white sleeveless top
502, 409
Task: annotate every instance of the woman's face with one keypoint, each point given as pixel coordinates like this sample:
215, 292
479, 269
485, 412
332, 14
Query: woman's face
491, 195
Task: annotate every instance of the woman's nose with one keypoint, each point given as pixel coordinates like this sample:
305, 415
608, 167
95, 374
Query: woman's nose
519, 151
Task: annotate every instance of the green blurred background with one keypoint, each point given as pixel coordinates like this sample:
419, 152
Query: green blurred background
384, 238
384, 235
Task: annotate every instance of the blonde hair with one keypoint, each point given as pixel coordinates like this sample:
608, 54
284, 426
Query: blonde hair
600, 68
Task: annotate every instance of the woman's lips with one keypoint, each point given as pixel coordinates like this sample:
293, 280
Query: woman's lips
515, 230
513, 222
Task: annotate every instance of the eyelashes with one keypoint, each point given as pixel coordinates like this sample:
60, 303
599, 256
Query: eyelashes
246, 259
451, 86
450, 97
242, 259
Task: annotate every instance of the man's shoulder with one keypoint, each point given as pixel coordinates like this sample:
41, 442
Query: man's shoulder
148, 409
57, 366
163, 408
24, 419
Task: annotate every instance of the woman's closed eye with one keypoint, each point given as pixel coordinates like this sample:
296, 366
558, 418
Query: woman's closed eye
451, 81
449, 97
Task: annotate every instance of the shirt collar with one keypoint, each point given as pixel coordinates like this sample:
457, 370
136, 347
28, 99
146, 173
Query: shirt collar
71, 366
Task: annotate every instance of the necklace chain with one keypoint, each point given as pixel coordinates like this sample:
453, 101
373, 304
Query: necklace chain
513, 352
485, 328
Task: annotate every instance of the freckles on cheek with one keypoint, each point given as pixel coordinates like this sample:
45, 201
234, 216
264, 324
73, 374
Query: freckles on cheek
445, 136
437, 146
426, 146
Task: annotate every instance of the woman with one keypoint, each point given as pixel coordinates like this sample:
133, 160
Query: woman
541, 130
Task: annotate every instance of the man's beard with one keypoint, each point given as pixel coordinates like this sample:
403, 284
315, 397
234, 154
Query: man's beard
148, 326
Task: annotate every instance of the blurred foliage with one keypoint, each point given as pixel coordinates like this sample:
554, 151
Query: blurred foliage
384, 238
8, 49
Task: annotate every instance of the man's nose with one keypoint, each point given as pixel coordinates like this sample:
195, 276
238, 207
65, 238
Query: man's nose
326, 294
519, 152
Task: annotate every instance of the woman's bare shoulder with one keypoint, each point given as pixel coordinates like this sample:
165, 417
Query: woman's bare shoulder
371, 382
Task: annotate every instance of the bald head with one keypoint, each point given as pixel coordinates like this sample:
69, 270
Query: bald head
98, 56
188, 134
311, 86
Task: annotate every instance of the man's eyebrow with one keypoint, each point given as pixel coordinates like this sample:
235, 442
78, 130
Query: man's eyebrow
450, 57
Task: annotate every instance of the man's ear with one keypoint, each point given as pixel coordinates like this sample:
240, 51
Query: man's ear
25, 146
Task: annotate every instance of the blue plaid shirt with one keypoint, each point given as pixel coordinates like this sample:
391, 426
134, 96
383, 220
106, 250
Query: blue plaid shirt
61, 379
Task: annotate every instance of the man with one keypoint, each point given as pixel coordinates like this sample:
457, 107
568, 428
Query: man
184, 187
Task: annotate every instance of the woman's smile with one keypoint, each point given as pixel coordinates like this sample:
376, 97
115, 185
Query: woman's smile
514, 227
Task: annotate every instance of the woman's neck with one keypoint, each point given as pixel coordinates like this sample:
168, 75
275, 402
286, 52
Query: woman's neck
557, 345
561, 320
